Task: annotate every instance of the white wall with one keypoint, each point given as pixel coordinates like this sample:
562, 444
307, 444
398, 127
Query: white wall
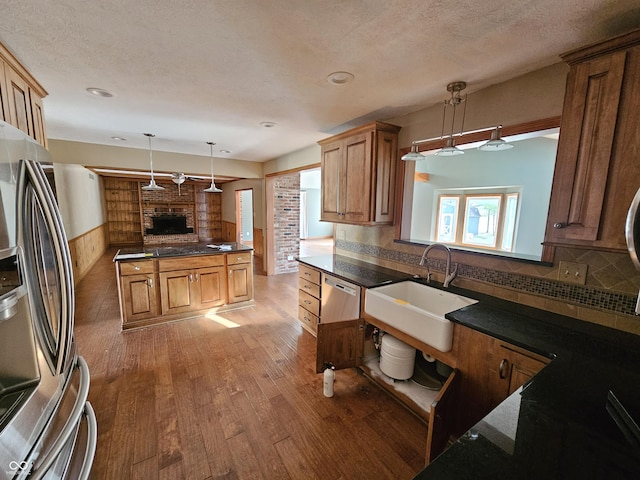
79, 197
229, 200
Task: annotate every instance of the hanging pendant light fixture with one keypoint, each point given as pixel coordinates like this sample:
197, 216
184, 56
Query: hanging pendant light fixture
496, 143
152, 184
212, 188
413, 155
450, 149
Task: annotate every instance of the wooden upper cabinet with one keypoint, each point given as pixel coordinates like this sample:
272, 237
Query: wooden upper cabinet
4, 95
359, 175
597, 172
21, 98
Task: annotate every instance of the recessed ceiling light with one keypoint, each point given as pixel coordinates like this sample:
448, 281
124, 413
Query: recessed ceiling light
120, 139
225, 151
99, 92
339, 78
267, 124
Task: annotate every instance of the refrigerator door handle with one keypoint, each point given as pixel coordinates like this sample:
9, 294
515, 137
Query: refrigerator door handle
632, 235
78, 408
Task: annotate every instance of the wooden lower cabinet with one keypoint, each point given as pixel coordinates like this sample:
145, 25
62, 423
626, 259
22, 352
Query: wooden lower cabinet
240, 282
195, 289
154, 291
309, 298
140, 295
491, 371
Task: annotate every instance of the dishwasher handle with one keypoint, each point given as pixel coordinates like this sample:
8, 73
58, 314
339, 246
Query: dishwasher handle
345, 287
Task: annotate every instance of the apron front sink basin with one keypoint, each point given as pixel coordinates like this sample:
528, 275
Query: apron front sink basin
417, 310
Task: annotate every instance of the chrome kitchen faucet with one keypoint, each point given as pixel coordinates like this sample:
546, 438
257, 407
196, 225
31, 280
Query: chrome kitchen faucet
449, 275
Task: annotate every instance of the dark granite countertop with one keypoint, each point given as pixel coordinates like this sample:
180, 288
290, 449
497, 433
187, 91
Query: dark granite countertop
558, 425
361, 273
178, 250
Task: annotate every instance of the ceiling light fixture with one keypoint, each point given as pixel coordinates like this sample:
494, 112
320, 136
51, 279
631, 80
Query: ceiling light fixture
267, 124
340, 78
119, 139
99, 92
178, 179
225, 151
495, 144
152, 184
212, 188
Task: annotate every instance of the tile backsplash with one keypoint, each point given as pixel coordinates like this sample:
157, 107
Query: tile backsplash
608, 297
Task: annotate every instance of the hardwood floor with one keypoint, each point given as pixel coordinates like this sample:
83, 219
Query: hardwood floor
233, 396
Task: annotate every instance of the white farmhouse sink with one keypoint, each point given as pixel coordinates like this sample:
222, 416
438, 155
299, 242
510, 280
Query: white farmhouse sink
417, 310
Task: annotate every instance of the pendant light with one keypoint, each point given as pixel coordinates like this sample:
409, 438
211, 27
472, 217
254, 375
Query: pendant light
450, 149
212, 188
496, 143
152, 184
413, 155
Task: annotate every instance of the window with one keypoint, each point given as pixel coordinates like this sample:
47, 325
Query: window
488, 220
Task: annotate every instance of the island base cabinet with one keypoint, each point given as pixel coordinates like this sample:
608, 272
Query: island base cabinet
212, 287
139, 297
240, 282
187, 290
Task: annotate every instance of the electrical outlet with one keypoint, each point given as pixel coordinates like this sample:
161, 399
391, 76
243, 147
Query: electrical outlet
572, 272
289, 257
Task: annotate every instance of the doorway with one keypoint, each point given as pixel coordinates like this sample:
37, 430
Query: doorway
244, 217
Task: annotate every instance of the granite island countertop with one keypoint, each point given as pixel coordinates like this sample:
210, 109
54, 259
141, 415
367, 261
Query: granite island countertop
563, 423
178, 250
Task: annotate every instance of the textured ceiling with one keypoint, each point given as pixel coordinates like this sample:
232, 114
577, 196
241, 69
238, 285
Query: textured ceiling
191, 71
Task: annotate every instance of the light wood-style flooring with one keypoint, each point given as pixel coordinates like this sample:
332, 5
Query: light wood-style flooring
233, 396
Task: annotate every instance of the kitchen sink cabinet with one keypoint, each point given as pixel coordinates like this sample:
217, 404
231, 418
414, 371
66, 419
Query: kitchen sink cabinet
359, 175
597, 173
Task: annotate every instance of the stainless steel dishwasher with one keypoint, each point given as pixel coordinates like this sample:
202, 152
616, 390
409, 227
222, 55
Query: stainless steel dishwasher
340, 300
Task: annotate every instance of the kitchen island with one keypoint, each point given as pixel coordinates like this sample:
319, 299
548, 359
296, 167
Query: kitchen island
163, 283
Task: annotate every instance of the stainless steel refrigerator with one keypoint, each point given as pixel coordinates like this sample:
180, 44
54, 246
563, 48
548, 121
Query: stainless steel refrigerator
47, 427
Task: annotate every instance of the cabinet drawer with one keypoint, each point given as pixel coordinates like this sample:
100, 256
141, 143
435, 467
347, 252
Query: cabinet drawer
309, 287
309, 303
236, 258
309, 274
180, 263
135, 268
308, 319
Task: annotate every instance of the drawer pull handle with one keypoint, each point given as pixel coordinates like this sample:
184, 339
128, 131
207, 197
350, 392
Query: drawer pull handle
503, 367
307, 274
308, 287
307, 302
150, 281
559, 225
136, 267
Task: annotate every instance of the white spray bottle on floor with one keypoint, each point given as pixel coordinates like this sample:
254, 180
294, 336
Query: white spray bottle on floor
329, 376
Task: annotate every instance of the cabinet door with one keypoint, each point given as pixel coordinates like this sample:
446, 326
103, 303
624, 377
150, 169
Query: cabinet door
589, 120
176, 293
211, 284
513, 370
4, 94
386, 155
357, 178
441, 412
331, 182
240, 282
19, 102
139, 295
39, 131
340, 343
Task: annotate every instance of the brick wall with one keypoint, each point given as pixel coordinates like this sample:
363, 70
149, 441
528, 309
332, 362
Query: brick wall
286, 225
169, 201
